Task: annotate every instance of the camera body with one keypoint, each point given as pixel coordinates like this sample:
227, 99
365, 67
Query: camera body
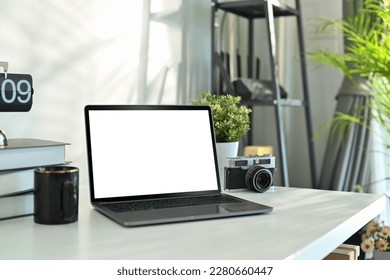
253, 172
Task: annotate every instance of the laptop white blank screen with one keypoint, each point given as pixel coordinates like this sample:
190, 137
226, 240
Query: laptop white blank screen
147, 152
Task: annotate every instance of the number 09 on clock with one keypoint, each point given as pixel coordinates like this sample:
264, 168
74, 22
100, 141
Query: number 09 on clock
16, 92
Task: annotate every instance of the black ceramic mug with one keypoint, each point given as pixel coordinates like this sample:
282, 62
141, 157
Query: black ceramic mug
56, 194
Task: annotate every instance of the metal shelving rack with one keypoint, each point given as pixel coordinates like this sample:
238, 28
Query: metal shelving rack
267, 9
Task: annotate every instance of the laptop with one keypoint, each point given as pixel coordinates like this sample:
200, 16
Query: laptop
154, 164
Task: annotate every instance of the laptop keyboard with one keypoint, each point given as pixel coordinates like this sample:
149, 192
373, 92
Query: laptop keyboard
127, 206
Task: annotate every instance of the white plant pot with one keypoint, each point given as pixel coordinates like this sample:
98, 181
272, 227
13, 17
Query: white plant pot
224, 151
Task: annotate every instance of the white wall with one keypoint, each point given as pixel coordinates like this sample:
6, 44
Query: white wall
113, 51
106, 51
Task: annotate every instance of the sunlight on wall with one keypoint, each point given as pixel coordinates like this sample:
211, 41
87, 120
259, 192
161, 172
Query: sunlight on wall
82, 52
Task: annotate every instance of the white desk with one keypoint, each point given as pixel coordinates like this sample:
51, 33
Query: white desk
305, 224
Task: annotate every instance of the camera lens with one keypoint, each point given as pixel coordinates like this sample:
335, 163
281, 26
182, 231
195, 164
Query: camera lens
258, 179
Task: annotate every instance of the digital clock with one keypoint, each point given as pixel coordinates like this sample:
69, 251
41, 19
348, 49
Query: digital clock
16, 92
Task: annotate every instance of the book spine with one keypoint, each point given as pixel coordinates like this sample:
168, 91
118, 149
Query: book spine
31, 157
17, 163
16, 180
17, 205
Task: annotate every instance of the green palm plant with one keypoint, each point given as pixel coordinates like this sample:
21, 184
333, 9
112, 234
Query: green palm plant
367, 56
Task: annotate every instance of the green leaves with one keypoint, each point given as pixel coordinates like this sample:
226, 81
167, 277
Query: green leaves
367, 54
367, 42
231, 121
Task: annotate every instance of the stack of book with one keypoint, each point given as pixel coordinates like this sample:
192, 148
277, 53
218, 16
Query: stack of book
17, 162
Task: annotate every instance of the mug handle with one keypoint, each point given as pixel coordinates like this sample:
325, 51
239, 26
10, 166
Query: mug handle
69, 201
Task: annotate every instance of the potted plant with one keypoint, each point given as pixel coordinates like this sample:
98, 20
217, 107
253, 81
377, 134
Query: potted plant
376, 240
366, 62
231, 123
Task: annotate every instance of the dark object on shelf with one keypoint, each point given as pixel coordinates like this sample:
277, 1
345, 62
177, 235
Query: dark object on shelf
252, 89
255, 8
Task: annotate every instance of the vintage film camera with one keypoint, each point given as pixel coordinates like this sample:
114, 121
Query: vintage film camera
253, 172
